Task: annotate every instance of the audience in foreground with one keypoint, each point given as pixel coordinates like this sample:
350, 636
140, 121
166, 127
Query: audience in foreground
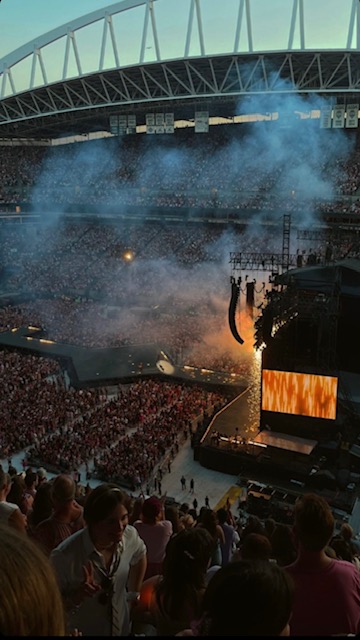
94, 582
246, 598
170, 602
327, 590
30, 603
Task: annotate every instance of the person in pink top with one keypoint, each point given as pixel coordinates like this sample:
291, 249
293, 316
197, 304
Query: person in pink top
327, 590
156, 532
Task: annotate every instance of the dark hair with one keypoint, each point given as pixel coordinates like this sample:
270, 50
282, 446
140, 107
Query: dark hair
269, 526
42, 506
253, 525
256, 546
135, 508
187, 558
101, 502
208, 520
184, 507
342, 548
283, 544
263, 591
4, 477
222, 515
314, 522
30, 478
172, 514
15, 494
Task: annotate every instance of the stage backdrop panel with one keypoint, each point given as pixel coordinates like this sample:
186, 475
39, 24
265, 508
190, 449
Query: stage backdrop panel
304, 394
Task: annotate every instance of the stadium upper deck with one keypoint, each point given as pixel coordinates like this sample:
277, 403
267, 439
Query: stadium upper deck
142, 58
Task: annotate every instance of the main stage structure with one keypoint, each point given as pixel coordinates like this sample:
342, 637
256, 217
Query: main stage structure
309, 427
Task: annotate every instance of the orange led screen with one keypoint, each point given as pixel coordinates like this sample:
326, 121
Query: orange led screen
302, 394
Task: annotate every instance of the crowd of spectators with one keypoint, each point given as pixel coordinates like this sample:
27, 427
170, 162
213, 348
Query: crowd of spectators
128, 436
70, 282
217, 170
68, 428
35, 402
80, 257
123, 436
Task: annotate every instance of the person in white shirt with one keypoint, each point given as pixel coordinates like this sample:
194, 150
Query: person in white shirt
100, 569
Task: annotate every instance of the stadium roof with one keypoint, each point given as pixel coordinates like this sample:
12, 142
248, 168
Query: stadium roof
136, 56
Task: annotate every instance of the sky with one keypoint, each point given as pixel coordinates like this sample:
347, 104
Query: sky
326, 20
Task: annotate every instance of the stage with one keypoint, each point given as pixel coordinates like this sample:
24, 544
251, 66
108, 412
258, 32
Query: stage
233, 443
89, 367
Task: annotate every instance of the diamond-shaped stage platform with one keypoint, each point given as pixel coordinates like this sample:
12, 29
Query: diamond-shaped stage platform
103, 366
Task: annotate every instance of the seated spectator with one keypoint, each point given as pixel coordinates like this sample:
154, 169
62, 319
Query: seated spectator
347, 532
327, 591
184, 508
42, 476
231, 536
247, 598
269, 526
169, 602
31, 483
191, 512
187, 521
254, 547
135, 509
208, 520
283, 544
30, 603
17, 489
230, 518
66, 518
330, 551
253, 525
80, 494
9, 511
156, 533
42, 507
12, 471
343, 550
172, 514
